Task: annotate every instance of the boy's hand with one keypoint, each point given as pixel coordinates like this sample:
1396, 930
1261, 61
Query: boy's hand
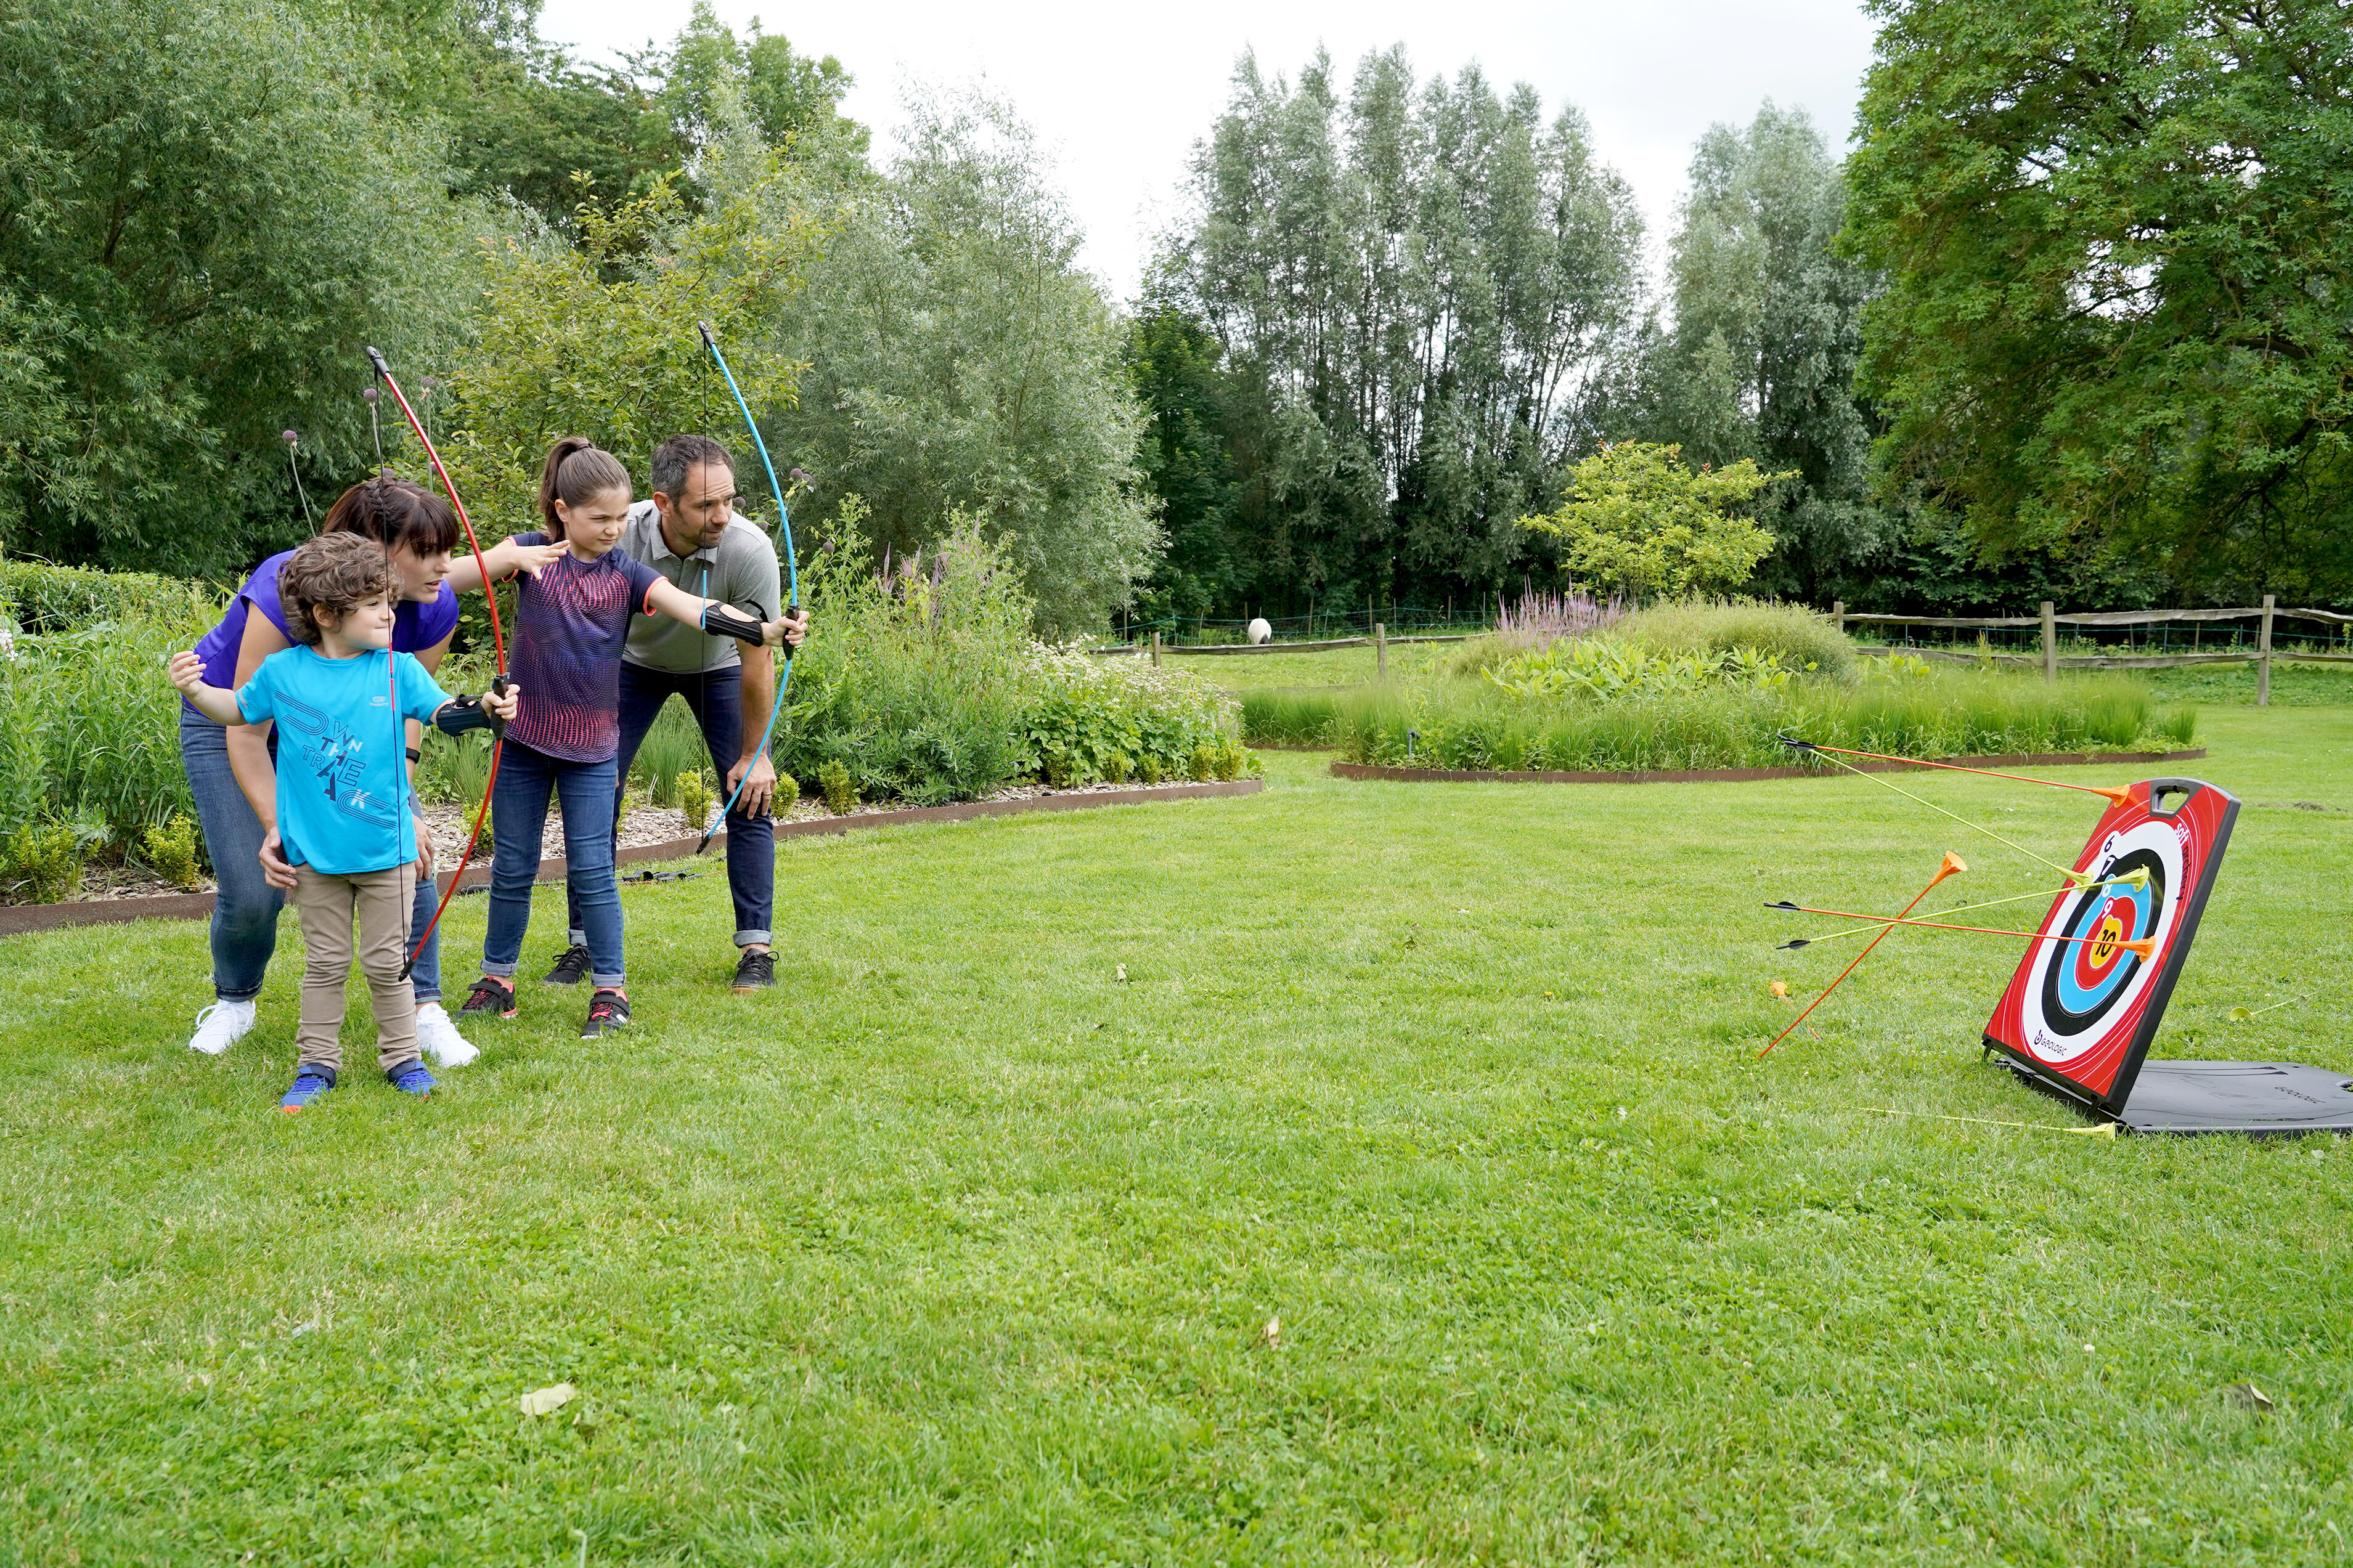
187, 672
501, 705
531, 558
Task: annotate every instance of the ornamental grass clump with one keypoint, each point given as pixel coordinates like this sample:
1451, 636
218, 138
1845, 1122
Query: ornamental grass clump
1931, 714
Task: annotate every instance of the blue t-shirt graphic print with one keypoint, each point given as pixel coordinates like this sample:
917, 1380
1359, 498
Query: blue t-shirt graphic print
343, 785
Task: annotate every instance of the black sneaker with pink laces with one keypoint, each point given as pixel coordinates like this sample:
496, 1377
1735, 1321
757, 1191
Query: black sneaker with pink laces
608, 1014
488, 999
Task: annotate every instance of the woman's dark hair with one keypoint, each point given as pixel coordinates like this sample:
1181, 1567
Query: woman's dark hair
396, 514
331, 576
576, 470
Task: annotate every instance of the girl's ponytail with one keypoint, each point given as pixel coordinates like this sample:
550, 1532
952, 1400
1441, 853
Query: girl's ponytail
576, 469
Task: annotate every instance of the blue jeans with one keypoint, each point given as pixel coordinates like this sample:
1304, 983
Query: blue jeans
244, 906
715, 698
519, 807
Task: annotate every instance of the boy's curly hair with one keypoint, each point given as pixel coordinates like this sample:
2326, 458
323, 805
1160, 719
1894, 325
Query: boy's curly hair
331, 576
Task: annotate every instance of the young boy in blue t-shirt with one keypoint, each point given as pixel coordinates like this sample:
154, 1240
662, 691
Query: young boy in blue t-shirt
340, 699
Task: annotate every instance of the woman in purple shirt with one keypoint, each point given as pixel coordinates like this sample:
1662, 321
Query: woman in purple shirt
235, 781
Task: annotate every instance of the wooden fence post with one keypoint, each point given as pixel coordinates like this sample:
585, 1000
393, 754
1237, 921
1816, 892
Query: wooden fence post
1838, 615
1381, 649
1155, 650
2050, 641
2263, 655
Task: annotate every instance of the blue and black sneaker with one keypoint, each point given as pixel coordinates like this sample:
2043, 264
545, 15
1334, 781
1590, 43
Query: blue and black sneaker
410, 1077
310, 1083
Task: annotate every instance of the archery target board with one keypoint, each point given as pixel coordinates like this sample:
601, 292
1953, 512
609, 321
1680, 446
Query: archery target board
2083, 1013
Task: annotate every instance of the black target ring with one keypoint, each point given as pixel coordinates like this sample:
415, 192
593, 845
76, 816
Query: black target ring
2069, 1020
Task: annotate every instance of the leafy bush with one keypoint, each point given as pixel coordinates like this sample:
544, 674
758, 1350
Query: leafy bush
1800, 639
1088, 718
90, 727
695, 800
40, 865
42, 598
170, 849
1949, 713
913, 677
841, 793
1606, 670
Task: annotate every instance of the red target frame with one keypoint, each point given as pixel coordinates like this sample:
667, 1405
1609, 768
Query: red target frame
2082, 1015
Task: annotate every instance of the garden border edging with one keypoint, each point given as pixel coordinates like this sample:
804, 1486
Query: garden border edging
18, 919
1746, 776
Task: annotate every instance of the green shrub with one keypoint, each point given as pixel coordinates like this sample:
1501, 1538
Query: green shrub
40, 865
840, 791
171, 850
913, 682
1953, 712
787, 794
1802, 640
1083, 711
672, 750
44, 599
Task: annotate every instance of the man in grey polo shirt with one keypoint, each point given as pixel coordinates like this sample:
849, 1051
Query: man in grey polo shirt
690, 534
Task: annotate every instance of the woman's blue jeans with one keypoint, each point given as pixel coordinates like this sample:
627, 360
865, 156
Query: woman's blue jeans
244, 906
519, 807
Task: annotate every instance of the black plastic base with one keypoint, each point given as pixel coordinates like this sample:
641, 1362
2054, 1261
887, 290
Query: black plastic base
2258, 1097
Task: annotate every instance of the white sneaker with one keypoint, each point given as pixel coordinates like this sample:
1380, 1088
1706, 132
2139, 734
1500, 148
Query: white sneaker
439, 1039
221, 1025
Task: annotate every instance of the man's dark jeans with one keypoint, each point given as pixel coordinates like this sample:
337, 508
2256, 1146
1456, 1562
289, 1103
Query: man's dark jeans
715, 699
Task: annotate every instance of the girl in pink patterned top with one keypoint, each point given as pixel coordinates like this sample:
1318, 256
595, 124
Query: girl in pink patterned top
571, 619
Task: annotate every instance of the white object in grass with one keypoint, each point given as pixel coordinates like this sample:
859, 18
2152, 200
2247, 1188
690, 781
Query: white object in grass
1259, 631
221, 1025
438, 1036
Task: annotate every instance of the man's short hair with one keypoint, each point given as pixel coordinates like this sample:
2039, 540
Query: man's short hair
680, 455
331, 576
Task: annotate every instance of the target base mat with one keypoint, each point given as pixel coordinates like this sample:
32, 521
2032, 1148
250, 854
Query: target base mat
2084, 1007
2258, 1097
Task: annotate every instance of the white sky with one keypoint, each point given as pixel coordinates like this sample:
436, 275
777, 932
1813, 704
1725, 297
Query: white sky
1119, 97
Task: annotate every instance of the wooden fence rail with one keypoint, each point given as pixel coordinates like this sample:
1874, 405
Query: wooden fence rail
2052, 661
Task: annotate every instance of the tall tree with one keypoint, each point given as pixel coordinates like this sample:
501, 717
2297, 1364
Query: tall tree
961, 362
1420, 290
1767, 334
2118, 244
209, 207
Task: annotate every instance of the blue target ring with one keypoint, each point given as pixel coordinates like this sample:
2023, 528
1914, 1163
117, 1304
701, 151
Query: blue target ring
2081, 980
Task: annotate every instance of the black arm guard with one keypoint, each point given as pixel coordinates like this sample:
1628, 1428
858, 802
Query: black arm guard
726, 620
462, 713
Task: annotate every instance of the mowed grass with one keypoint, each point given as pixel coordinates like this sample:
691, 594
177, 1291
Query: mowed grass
960, 1248
1330, 666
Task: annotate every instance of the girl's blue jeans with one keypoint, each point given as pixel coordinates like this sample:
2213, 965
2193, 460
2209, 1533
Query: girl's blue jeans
244, 907
519, 811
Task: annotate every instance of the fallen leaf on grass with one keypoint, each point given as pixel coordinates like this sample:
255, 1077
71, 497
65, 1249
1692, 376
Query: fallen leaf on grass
543, 1401
2247, 1396
1274, 1330
1122, 972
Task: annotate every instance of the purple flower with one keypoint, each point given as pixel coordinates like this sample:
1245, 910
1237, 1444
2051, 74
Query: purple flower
370, 395
288, 436
429, 383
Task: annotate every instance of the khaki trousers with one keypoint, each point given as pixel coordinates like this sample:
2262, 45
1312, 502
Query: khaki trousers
327, 904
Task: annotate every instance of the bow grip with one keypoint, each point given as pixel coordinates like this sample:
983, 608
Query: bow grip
375, 358
498, 725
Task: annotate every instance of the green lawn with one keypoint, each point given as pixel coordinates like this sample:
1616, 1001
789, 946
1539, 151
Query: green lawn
1332, 667
958, 1248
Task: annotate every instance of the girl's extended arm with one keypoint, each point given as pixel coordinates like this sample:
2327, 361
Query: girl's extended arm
501, 561
713, 615
211, 702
